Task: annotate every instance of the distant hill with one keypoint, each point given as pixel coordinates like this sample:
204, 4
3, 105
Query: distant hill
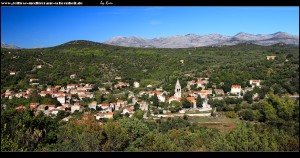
4, 45
193, 40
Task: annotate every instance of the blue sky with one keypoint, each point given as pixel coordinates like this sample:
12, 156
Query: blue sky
31, 27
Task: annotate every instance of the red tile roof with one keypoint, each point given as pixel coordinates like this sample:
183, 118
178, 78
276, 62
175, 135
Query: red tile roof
190, 99
110, 113
236, 86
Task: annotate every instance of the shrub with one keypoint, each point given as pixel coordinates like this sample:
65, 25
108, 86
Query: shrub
230, 114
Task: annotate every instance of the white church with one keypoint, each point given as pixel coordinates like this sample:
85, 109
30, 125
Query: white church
177, 97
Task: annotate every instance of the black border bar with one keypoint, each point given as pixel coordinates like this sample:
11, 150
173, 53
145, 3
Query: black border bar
149, 3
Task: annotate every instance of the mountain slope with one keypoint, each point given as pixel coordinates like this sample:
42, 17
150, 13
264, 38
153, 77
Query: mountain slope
4, 45
193, 40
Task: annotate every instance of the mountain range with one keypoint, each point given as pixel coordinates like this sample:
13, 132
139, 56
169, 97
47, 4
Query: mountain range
193, 40
4, 45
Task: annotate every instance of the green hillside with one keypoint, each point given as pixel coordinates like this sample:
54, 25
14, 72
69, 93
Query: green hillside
270, 122
99, 63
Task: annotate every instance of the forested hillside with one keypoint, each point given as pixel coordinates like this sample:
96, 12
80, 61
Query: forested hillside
98, 63
269, 123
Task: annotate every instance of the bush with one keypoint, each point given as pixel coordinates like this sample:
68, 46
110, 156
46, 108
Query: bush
185, 117
247, 115
230, 114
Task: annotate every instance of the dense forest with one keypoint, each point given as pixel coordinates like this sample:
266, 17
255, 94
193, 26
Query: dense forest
269, 123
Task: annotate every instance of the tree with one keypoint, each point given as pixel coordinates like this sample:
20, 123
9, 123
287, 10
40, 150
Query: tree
185, 103
135, 127
247, 115
176, 104
237, 107
248, 97
136, 106
199, 102
155, 101
111, 98
117, 114
116, 137
138, 114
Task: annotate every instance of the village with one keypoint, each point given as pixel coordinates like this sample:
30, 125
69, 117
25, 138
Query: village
69, 98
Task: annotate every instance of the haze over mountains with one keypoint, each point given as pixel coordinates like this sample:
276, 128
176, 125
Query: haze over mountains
4, 45
193, 40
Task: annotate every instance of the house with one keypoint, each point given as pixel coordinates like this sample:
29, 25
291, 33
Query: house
199, 83
30, 90
61, 108
104, 91
205, 81
192, 100
72, 76
33, 79
118, 78
190, 83
161, 98
57, 87
73, 91
79, 92
20, 94
134, 100
39, 66
207, 92
219, 92
141, 93
121, 84
53, 112
71, 86
50, 107
236, 89
131, 94
104, 106
93, 105
61, 99
12, 72
255, 83
75, 107
149, 86
272, 57
99, 116
109, 115
41, 107
136, 84
172, 98
159, 89
121, 103
33, 106
57, 94
8, 91
152, 93
203, 95
128, 110
143, 105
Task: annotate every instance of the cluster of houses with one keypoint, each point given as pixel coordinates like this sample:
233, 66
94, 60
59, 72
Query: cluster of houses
65, 95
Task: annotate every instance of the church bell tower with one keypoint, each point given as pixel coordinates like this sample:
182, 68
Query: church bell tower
177, 90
